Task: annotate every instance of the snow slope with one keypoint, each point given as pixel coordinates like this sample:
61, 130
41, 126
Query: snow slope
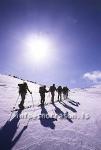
68, 126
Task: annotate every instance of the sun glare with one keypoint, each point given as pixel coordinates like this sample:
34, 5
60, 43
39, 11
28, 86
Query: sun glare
38, 48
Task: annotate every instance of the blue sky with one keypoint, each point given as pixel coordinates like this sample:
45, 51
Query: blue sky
74, 29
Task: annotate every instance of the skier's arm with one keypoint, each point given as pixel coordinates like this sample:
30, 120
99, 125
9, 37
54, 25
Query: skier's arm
50, 89
56, 89
47, 91
29, 90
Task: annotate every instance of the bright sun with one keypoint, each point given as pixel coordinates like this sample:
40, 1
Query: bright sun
38, 48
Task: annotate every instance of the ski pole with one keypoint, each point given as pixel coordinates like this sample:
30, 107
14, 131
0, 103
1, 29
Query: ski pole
32, 100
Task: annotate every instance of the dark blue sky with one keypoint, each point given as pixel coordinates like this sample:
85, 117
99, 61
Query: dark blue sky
73, 25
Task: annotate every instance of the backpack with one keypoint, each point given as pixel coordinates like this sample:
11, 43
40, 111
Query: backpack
52, 89
42, 89
22, 88
59, 89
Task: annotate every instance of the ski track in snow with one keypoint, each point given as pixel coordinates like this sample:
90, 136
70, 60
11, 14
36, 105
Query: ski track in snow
83, 132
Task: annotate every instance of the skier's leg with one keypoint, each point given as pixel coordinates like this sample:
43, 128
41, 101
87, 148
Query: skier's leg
58, 96
53, 98
43, 99
63, 96
21, 105
67, 95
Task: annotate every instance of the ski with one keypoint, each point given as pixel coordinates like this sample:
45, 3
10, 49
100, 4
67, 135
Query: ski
18, 109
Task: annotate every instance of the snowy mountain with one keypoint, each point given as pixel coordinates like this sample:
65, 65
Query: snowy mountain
66, 125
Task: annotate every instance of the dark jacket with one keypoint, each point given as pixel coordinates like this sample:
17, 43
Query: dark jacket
42, 90
52, 89
59, 89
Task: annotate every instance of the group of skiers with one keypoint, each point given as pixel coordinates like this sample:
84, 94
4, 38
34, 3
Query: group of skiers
23, 88
52, 90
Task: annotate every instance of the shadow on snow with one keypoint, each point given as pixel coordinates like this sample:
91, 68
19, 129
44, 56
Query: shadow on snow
68, 107
58, 111
8, 131
45, 120
74, 103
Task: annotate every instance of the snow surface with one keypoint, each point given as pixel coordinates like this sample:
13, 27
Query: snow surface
68, 126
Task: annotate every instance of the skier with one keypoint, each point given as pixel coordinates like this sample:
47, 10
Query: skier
52, 90
23, 88
59, 90
65, 92
42, 91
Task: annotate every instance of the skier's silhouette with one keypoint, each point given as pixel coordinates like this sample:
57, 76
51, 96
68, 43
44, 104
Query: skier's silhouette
52, 90
59, 90
65, 92
42, 91
23, 88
